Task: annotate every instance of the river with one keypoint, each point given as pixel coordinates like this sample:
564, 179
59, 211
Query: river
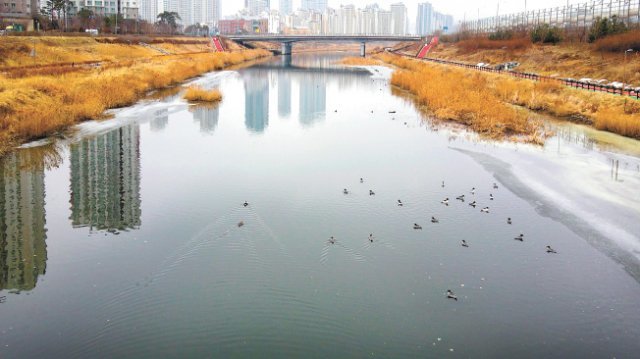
129, 237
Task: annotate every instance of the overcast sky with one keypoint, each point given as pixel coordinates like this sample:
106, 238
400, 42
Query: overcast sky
457, 8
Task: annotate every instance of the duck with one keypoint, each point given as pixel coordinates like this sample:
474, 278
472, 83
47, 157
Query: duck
332, 240
400, 203
345, 191
417, 226
371, 193
434, 220
240, 224
371, 237
520, 238
445, 201
509, 220
442, 184
473, 190
495, 186
473, 204
361, 180
461, 198
245, 204
491, 196
464, 244
485, 210
450, 295
551, 250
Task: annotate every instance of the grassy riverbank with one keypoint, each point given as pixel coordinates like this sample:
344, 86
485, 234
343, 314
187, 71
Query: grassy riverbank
497, 105
37, 106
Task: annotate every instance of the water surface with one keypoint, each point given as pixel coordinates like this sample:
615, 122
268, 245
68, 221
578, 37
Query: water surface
124, 240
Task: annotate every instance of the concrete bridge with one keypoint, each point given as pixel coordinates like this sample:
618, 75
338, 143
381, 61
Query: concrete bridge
287, 41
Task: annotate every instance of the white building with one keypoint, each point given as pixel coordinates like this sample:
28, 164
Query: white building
129, 9
286, 7
399, 24
257, 7
430, 21
317, 5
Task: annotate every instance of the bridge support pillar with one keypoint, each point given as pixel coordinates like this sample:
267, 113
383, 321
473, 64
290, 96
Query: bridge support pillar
286, 48
363, 49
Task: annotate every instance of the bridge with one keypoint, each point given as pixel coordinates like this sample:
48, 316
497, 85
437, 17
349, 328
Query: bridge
287, 41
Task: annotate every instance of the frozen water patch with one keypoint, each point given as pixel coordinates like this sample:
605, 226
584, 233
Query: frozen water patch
211, 80
378, 72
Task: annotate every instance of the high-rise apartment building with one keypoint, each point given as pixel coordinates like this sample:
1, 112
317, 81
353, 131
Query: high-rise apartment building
317, 5
286, 7
429, 21
256, 7
399, 19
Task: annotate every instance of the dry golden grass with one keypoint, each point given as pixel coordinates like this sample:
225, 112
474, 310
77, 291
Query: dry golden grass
37, 106
198, 94
359, 61
484, 101
484, 43
620, 42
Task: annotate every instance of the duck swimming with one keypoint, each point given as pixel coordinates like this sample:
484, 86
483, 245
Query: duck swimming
509, 220
485, 210
461, 198
332, 240
495, 186
464, 244
371, 237
245, 204
450, 295
473, 190
442, 184
345, 191
240, 224
400, 203
473, 204
434, 220
361, 180
551, 250
371, 193
445, 201
417, 226
491, 196
520, 238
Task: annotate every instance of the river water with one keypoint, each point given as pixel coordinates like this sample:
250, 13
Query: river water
130, 238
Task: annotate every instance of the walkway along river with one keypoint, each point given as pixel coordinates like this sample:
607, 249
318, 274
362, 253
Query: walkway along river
131, 239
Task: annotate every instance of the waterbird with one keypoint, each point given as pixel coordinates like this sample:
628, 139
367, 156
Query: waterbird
332, 240
461, 198
509, 220
442, 184
240, 224
485, 210
473, 190
495, 186
445, 201
371, 193
361, 180
491, 196
392, 111
417, 226
551, 250
434, 220
464, 243
450, 295
520, 238
245, 204
345, 191
400, 203
473, 204
371, 237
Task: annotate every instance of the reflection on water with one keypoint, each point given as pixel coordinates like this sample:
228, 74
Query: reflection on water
105, 181
284, 95
256, 103
23, 251
207, 116
313, 98
160, 119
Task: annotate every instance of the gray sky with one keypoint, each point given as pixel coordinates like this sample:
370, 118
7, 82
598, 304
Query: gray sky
457, 8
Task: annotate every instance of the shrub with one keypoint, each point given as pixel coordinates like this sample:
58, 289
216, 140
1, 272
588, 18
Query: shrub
198, 94
619, 42
501, 35
486, 44
546, 34
604, 27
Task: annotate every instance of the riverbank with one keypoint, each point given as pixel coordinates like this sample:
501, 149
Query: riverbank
41, 105
496, 106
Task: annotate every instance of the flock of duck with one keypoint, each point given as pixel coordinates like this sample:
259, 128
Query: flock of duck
463, 243
332, 240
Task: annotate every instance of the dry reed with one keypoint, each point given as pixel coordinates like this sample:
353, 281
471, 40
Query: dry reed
199, 94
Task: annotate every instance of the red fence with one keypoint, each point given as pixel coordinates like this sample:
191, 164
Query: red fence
535, 77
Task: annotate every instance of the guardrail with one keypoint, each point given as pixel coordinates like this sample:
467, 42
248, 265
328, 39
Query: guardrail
535, 77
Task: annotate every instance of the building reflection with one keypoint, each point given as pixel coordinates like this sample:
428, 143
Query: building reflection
284, 94
256, 102
313, 97
105, 181
160, 119
207, 116
23, 251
